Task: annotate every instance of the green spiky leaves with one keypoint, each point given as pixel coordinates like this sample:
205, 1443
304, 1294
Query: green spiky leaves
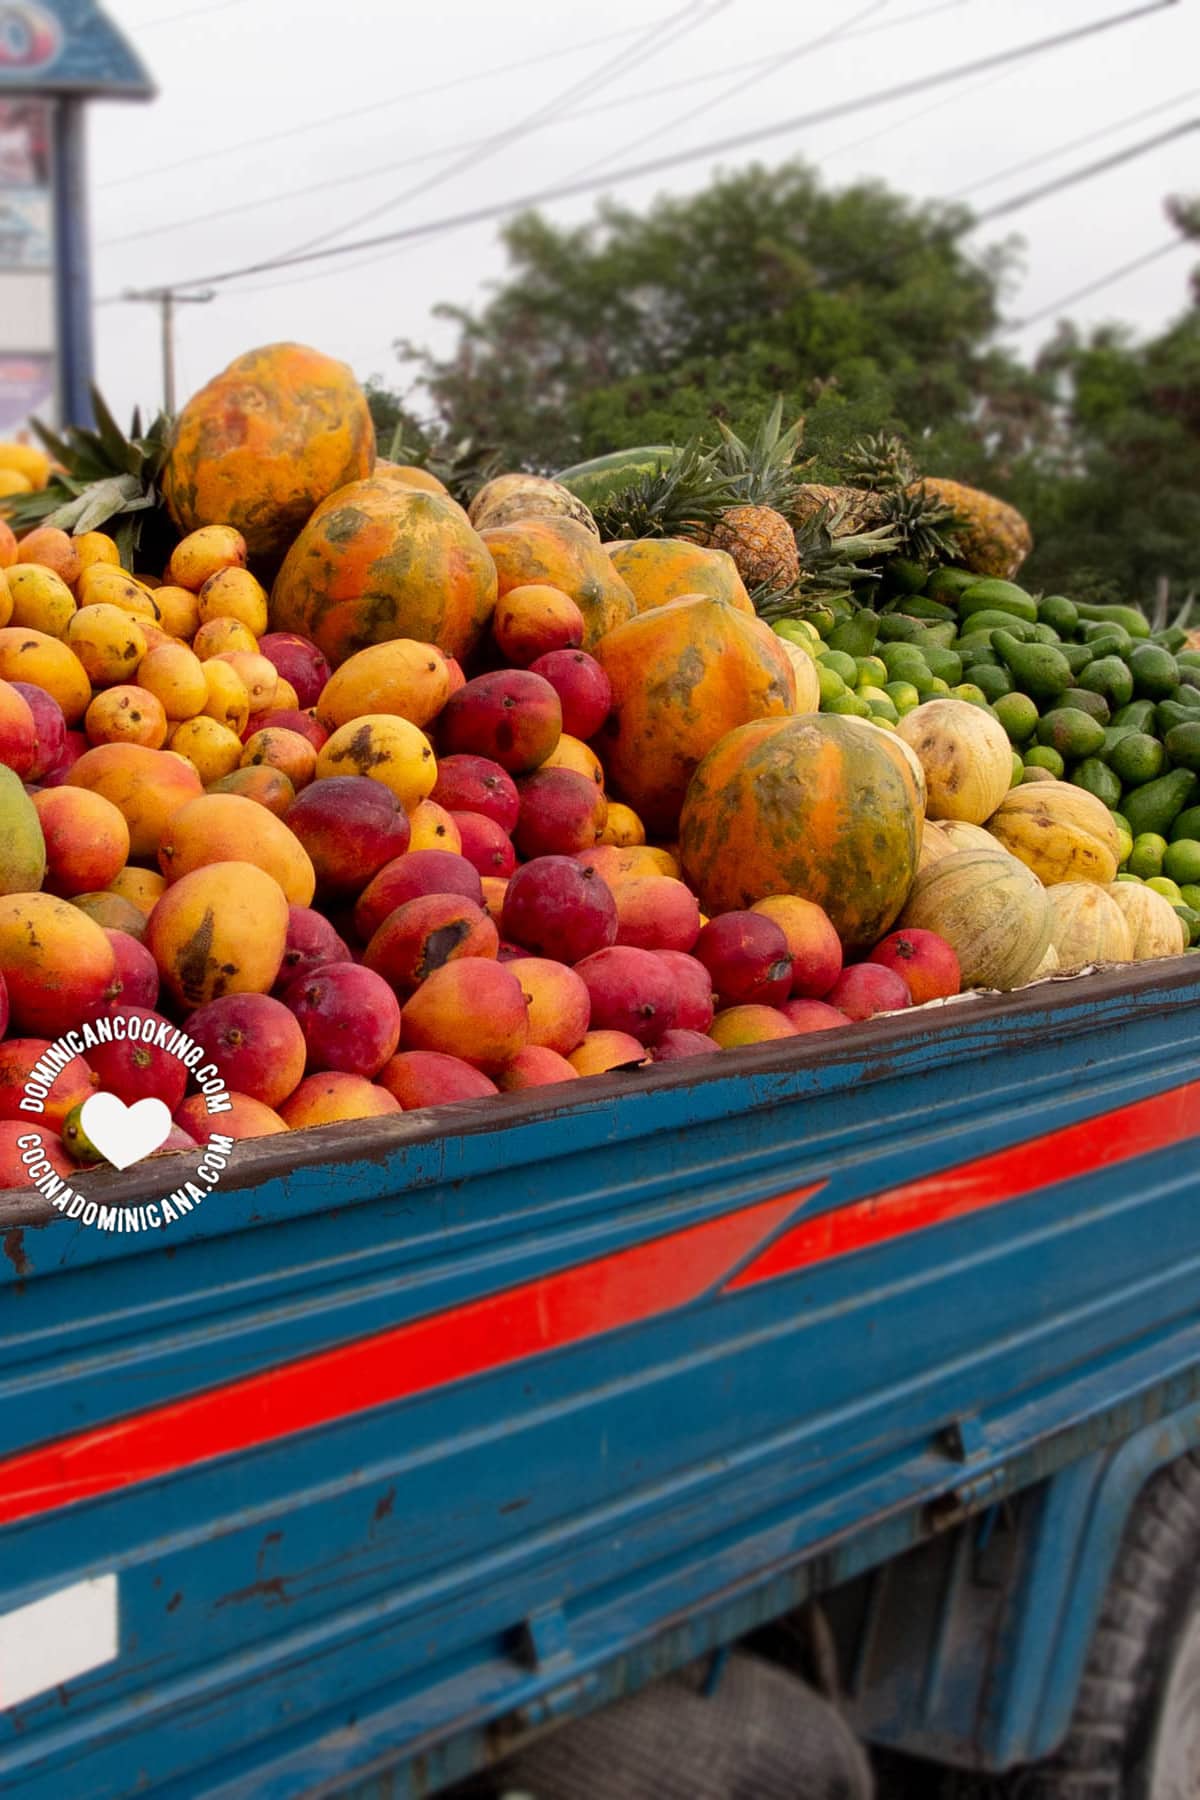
108, 480
764, 469
682, 498
924, 525
834, 565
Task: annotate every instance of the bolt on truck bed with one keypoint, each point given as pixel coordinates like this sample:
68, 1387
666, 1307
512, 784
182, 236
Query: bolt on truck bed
421, 1434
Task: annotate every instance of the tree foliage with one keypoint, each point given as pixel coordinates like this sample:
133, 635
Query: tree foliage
866, 311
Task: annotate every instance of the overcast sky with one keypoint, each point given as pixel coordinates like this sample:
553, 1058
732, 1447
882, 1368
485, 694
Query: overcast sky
427, 81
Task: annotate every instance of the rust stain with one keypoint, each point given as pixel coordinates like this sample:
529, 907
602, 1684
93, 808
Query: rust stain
14, 1249
272, 1589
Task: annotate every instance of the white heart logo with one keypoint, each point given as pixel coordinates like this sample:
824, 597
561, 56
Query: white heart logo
124, 1134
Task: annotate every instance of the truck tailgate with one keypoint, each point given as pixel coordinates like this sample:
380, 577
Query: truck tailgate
416, 1435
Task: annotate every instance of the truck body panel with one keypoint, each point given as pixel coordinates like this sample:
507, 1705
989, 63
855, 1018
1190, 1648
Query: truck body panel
419, 1435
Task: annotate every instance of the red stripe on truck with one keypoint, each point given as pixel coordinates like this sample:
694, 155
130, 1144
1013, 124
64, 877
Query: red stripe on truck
1115, 1137
568, 1307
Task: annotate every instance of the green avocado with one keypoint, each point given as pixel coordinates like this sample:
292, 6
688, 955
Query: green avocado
1156, 805
1005, 596
1074, 734
1038, 669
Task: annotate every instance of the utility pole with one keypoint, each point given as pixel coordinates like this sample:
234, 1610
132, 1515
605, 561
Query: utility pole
167, 299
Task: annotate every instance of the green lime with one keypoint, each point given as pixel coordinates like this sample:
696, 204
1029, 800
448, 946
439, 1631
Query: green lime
904, 695
792, 630
1018, 715
993, 682
872, 671
1169, 889
938, 688
1018, 771
842, 665
1191, 920
1146, 857
880, 702
832, 685
1044, 756
902, 660
1126, 876
974, 696
1191, 894
1124, 837
849, 704
1182, 861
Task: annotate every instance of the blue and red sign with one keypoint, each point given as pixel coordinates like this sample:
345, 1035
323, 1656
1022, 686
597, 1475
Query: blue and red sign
66, 46
29, 38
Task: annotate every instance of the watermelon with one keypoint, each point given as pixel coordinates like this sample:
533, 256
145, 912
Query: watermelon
603, 477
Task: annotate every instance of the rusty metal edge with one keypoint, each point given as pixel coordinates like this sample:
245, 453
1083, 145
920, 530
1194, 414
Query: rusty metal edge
265, 1159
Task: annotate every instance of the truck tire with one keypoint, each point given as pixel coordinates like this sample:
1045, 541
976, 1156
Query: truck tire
1135, 1734
760, 1735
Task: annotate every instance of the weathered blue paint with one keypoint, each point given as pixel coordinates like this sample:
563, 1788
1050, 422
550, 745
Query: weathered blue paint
410, 1589
67, 47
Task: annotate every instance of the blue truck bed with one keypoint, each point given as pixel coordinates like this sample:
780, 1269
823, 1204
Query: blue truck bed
418, 1436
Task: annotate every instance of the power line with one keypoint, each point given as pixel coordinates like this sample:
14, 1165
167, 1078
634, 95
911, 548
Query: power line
193, 12
355, 176
1087, 172
737, 87
650, 43
360, 112
654, 165
1017, 202
1089, 137
1094, 287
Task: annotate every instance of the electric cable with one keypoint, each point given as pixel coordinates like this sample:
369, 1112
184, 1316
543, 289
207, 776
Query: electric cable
358, 112
652, 41
655, 165
1094, 287
740, 86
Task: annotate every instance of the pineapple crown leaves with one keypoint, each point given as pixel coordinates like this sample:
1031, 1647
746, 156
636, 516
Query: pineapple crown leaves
882, 463
463, 466
763, 470
104, 477
832, 566
681, 497
924, 524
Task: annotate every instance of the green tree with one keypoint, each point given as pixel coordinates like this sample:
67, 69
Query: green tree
866, 312
861, 307
1113, 484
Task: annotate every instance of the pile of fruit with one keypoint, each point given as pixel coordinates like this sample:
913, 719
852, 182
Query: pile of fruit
389, 802
1086, 694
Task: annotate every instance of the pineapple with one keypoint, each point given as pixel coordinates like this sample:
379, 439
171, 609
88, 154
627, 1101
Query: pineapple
834, 563
756, 531
855, 508
761, 543
992, 538
104, 480
940, 517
